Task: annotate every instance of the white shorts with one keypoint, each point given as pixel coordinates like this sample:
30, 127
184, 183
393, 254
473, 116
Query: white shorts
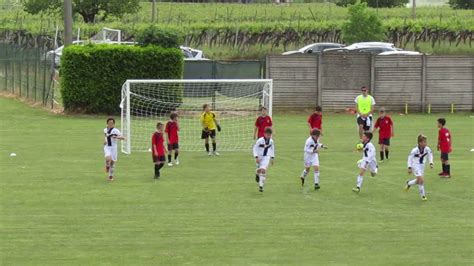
372, 166
418, 169
264, 162
311, 159
110, 151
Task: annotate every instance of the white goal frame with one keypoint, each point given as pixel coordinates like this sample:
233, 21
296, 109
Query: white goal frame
126, 128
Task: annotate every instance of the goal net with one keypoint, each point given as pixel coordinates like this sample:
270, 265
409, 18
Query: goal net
236, 104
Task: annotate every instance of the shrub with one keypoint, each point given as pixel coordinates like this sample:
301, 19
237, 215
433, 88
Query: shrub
159, 36
462, 4
363, 25
92, 75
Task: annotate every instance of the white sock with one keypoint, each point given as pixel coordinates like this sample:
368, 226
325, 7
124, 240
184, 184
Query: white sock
304, 174
412, 182
111, 170
360, 179
262, 180
421, 188
316, 177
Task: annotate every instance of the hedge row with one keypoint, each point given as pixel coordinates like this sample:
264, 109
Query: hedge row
92, 75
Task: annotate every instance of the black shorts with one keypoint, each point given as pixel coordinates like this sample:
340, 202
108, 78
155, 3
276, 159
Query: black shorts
445, 156
210, 133
173, 146
360, 121
385, 142
160, 158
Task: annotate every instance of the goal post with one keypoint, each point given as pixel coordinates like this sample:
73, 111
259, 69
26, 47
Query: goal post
236, 103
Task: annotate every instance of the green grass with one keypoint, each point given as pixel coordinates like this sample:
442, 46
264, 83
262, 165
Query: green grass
56, 207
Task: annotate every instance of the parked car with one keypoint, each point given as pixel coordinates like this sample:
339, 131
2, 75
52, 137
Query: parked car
314, 48
401, 52
368, 47
192, 54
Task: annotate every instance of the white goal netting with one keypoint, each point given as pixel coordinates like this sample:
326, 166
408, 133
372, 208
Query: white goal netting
236, 104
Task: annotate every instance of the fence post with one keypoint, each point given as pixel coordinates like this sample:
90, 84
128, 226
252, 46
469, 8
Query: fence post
372, 75
319, 89
423, 82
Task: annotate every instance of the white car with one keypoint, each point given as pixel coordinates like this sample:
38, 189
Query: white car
369, 47
192, 54
314, 48
402, 52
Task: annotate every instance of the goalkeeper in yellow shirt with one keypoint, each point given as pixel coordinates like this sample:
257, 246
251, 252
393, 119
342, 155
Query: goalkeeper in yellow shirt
209, 127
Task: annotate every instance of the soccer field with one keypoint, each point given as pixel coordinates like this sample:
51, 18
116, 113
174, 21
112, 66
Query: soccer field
58, 209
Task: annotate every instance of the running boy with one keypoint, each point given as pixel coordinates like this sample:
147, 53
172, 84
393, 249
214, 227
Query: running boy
112, 134
209, 127
368, 161
264, 152
172, 139
158, 149
315, 120
416, 165
444, 145
262, 122
385, 125
311, 157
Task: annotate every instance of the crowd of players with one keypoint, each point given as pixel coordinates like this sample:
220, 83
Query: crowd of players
264, 148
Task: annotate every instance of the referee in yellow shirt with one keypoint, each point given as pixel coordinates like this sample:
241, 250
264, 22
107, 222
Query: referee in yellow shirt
209, 127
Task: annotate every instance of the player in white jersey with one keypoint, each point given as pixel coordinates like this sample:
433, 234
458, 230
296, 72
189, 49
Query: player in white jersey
311, 157
112, 135
416, 165
368, 161
264, 153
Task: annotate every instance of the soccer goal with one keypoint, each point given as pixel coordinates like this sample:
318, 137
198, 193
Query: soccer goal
236, 104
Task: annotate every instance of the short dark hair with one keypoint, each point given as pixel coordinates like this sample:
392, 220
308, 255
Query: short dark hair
268, 130
315, 132
204, 106
442, 121
110, 118
364, 88
369, 135
173, 115
263, 108
318, 108
159, 124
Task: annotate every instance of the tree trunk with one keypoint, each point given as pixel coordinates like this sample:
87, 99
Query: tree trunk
88, 17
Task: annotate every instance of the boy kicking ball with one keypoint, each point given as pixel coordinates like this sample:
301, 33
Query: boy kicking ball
264, 152
158, 149
368, 161
416, 165
311, 157
110, 147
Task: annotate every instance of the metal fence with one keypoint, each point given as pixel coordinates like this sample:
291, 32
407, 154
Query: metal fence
418, 83
27, 73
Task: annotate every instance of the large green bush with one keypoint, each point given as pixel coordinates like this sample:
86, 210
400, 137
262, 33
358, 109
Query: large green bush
92, 75
363, 25
163, 37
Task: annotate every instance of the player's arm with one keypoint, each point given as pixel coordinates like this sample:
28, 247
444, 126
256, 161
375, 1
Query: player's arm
410, 160
308, 148
372, 105
272, 153
430, 157
357, 106
119, 135
153, 146
255, 151
201, 119
391, 128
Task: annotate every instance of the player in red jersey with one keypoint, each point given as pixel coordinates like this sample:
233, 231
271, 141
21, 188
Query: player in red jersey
315, 120
444, 145
262, 122
158, 149
385, 125
171, 129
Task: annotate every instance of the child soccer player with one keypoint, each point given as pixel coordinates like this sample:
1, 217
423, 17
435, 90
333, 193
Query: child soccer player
368, 160
385, 125
209, 126
110, 147
171, 131
315, 120
158, 149
262, 122
264, 152
311, 157
416, 164
444, 145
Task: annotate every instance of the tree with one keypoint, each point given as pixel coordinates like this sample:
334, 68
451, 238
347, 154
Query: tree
165, 38
363, 25
462, 4
88, 9
374, 3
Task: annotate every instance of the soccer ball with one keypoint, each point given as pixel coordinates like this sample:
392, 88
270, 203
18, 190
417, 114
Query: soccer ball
359, 146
